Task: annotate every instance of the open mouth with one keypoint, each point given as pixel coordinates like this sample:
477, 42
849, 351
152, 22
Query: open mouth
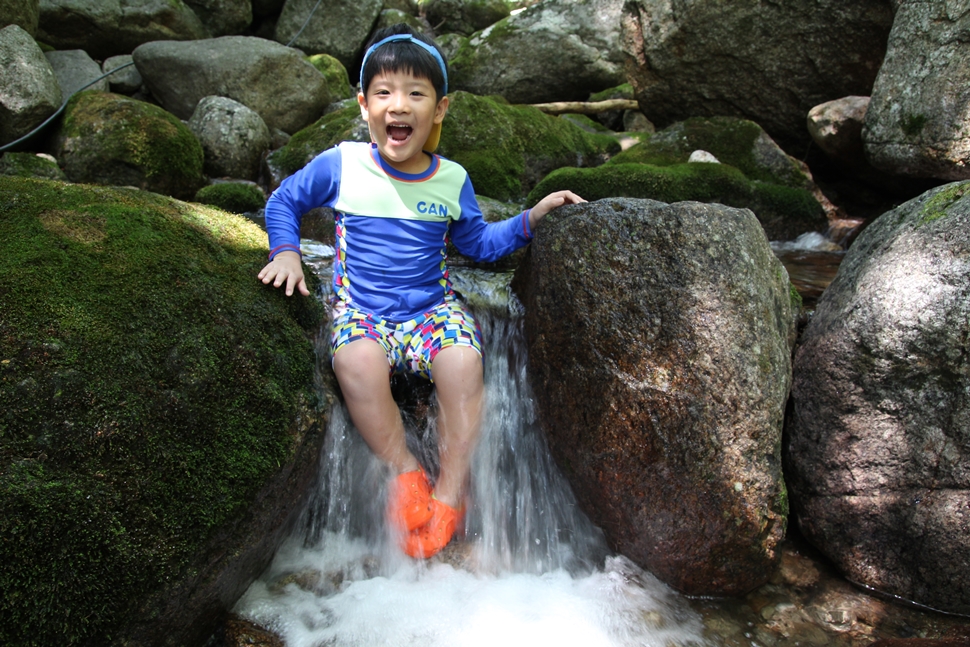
398, 132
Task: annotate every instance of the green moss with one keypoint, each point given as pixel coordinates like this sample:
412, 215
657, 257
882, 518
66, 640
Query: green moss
338, 82
130, 142
731, 140
913, 125
795, 297
331, 129
507, 149
704, 182
235, 197
624, 91
30, 165
701, 182
586, 123
938, 204
148, 387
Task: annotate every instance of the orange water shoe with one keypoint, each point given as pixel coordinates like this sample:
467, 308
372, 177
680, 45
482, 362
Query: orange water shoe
430, 538
409, 501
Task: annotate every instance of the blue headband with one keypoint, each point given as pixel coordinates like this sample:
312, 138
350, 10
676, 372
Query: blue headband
409, 38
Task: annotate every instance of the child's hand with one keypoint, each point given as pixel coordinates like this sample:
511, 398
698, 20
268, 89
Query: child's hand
285, 267
550, 202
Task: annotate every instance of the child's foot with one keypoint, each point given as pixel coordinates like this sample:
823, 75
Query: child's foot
409, 501
427, 540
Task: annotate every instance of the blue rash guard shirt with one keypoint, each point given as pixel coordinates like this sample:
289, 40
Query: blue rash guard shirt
391, 227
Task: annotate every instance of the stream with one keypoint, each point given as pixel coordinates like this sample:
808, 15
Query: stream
531, 569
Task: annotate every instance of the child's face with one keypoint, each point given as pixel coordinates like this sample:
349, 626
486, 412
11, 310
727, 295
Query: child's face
400, 110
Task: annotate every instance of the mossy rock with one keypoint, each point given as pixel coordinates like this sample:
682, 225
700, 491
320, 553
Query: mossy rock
338, 81
737, 142
623, 91
30, 165
344, 124
150, 388
507, 149
784, 212
112, 139
235, 197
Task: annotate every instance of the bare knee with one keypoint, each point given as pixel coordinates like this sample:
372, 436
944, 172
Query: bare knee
360, 365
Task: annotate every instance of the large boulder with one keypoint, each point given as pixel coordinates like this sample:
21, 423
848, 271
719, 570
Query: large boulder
552, 51
337, 27
29, 92
769, 62
464, 16
879, 439
233, 137
74, 70
108, 27
917, 121
161, 424
111, 139
24, 13
223, 17
275, 81
505, 149
659, 350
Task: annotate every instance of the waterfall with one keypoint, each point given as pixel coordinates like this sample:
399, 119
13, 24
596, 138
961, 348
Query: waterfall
530, 569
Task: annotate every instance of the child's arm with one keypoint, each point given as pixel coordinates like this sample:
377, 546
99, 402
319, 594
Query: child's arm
285, 267
312, 186
550, 202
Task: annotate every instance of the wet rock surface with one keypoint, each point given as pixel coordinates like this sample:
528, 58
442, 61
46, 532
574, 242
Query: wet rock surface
674, 323
878, 442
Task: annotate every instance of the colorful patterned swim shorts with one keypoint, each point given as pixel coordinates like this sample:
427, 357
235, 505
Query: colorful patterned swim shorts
410, 346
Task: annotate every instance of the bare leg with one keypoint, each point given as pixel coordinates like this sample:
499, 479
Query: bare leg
457, 373
362, 371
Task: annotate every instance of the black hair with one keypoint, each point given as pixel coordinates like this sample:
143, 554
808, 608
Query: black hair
402, 55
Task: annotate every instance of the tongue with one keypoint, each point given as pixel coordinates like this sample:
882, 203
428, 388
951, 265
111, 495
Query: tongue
398, 133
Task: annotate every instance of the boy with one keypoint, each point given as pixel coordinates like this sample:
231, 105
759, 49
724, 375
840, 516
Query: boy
395, 203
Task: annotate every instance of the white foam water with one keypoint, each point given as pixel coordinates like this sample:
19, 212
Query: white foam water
530, 569
811, 241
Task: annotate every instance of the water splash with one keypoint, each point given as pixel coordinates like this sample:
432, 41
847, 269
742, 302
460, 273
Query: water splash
531, 568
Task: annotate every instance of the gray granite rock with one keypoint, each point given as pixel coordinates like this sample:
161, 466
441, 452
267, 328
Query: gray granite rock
75, 70
917, 122
275, 81
29, 92
556, 50
106, 28
878, 453
659, 351
233, 137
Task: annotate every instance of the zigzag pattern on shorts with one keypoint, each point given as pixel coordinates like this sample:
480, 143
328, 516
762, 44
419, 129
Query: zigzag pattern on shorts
410, 346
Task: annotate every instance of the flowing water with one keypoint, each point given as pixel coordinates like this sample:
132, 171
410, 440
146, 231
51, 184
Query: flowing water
531, 569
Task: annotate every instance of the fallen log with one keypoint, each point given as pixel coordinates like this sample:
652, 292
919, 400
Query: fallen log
586, 107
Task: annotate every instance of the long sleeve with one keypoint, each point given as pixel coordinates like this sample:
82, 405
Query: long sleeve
484, 241
315, 185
